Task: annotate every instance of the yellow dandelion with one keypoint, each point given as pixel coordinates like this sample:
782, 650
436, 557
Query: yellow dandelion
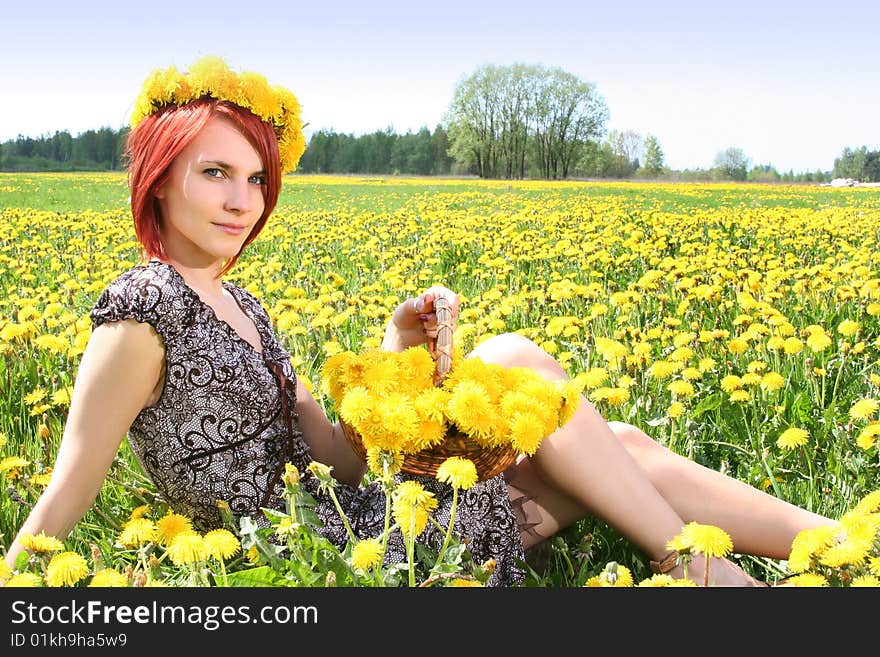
731, 382
792, 346
25, 580
526, 434
108, 577
458, 472
664, 581
863, 408
187, 547
613, 576
706, 365
5, 571
738, 396
865, 581
737, 345
819, 341
221, 544
379, 459
772, 381
469, 408
705, 539
366, 554
66, 569
874, 565
662, 369
61, 397
35, 396
40, 543
170, 525
807, 580
807, 543
592, 378
13, 463
848, 327
681, 388
614, 396
411, 519
412, 492
463, 582
137, 531
869, 503
675, 410
291, 474
691, 374
792, 437
868, 437
139, 511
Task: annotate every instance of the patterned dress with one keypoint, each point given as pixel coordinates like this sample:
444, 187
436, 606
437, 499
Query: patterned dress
218, 430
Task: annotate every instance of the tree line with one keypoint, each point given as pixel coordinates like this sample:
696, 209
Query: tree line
92, 150
514, 122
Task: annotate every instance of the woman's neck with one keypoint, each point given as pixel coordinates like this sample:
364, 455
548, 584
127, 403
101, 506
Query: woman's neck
203, 279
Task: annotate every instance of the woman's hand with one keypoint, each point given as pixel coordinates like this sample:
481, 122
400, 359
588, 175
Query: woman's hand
414, 321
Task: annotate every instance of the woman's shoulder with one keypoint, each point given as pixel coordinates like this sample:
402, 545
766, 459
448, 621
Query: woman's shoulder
154, 273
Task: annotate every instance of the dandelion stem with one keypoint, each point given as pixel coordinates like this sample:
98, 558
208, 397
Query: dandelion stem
342, 515
410, 549
449, 528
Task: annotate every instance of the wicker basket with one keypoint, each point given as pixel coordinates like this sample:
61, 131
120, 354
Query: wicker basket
489, 461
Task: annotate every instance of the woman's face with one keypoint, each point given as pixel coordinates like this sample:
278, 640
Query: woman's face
212, 198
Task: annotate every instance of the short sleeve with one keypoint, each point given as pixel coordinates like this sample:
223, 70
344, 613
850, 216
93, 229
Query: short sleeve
141, 294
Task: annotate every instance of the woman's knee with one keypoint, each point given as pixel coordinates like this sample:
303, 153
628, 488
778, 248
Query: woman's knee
515, 350
646, 451
631, 436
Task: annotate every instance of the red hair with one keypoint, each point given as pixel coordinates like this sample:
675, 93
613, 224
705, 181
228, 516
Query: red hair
160, 137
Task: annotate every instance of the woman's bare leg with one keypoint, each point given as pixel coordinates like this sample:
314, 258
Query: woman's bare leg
586, 462
758, 523
644, 490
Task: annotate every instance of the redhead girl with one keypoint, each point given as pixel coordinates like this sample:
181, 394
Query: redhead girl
189, 368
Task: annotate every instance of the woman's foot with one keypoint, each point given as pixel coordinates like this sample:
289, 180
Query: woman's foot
721, 573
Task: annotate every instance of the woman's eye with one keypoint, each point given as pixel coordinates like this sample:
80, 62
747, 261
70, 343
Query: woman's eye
258, 180
214, 172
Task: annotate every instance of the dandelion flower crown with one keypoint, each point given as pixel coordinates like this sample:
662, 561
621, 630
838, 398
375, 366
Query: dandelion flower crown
210, 76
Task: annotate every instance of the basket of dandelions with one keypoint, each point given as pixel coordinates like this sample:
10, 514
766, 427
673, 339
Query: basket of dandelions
427, 405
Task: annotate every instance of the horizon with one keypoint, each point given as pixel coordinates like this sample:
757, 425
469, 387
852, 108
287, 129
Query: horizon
790, 88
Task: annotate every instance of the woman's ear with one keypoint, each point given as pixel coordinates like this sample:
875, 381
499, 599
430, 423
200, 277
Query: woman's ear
159, 192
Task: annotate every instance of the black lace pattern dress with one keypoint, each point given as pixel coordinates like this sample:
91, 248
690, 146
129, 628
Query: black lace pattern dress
218, 430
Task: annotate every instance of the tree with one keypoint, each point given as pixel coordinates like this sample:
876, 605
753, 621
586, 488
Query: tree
654, 163
858, 164
732, 164
500, 116
568, 113
472, 121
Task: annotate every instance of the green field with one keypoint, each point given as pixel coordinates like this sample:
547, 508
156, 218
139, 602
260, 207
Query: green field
633, 287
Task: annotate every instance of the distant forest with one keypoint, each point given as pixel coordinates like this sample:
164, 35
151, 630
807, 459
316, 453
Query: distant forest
425, 153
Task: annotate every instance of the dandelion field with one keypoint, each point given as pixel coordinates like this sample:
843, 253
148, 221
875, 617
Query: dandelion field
737, 324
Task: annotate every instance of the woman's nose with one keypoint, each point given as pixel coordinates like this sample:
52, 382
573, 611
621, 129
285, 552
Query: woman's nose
238, 198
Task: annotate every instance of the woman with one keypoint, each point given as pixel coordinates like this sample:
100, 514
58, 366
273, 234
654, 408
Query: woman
189, 367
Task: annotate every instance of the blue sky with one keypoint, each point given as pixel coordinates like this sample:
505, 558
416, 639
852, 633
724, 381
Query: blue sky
790, 83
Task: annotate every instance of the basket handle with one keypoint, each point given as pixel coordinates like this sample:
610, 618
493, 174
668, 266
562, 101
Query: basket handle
441, 346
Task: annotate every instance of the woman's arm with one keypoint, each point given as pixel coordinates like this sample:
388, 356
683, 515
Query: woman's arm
414, 320
119, 372
326, 440
411, 324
